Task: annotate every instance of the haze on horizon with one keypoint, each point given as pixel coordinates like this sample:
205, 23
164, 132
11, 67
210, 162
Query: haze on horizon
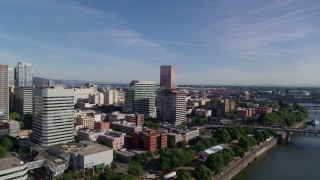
210, 42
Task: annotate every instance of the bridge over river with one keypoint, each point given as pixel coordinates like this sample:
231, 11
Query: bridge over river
277, 129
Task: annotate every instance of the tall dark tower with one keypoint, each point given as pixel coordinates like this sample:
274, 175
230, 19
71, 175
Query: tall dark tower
171, 103
168, 77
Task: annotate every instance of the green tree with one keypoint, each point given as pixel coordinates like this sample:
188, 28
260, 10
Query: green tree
137, 157
182, 144
6, 143
171, 143
175, 157
149, 154
272, 132
113, 165
252, 141
222, 135
108, 175
244, 143
266, 134
128, 177
15, 116
259, 138
22, 126
184, 176
215, 162
199, 121
165, 164
200, 146
135, 169
213, 141
3, 152
248, 130
230, 115
239, 152
67, 176
228, 155
203, 173
234, 133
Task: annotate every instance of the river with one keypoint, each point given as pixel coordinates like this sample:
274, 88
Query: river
300, 159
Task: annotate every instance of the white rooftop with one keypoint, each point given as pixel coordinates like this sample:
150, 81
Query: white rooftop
212, 150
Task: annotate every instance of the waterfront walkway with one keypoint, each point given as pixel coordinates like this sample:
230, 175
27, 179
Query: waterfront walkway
237, 166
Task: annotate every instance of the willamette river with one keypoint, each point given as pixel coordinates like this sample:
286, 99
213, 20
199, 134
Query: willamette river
300, 159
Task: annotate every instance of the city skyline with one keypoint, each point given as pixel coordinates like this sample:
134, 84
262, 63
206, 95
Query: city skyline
221, 42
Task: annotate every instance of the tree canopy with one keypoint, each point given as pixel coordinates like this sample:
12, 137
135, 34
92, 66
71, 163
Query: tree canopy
175, 157
184, 176
3, 152
6, 143
222, 135
203, 173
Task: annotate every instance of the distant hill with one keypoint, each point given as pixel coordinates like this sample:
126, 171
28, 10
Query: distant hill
39, 81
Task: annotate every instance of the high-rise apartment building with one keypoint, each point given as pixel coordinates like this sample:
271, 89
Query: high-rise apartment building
171, 106
4, 93
11, 76
171, 103
111, 97
168, 77
140, 98
53, 116
23, 103
24, 74
11, 89
23, 92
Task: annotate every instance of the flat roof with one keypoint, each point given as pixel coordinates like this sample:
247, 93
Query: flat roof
92, 149
68, 147
53, 158
212, 150
125, 153
10, 162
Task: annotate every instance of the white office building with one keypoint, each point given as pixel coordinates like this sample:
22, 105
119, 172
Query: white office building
81, 95
171, 106
111, 97
53, 116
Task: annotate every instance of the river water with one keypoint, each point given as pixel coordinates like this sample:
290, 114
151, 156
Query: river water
300, 159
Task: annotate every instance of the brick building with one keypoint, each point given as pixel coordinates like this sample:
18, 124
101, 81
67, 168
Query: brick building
112, 139
101, 126
244, 112
150, 140
137, 119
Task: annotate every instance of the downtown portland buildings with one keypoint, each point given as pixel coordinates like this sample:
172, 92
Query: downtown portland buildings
171, 102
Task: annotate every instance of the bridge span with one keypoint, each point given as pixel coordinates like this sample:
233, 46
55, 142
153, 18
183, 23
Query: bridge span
287, 130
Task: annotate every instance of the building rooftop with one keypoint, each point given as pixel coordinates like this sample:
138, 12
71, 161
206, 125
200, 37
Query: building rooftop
92, 149
53, 158
10, 162
68, 147
125, 153
212, 150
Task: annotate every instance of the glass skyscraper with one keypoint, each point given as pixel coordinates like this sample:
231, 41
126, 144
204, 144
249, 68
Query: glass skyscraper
24, 75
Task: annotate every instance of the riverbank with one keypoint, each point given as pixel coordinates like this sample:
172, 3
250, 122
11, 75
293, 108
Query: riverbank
297, 160
301, 124
237, 166
234, 168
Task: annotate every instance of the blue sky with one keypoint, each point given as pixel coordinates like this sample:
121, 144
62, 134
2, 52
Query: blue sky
210, 42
